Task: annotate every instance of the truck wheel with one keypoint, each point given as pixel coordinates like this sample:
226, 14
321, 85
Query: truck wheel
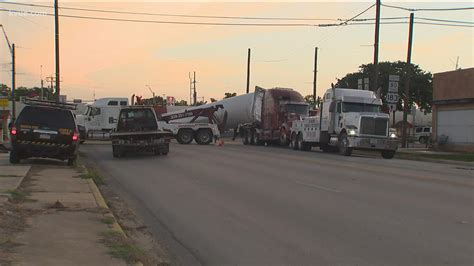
71, 161
304, 146
14, 158
252, 137
344, 145
284, 141
203, 136
294, 141
185, 136
116, 152
245, 137
388, 154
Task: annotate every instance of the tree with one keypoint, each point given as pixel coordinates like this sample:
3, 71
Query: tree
229, 94
4, 90
309, 100
181, 103
421, 82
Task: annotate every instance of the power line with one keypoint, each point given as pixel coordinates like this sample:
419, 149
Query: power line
231, 24
428, 9
446, 20
170, 15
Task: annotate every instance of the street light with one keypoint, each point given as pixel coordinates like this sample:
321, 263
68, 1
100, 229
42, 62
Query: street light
11, 47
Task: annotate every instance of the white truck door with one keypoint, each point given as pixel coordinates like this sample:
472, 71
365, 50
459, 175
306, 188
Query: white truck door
94, 119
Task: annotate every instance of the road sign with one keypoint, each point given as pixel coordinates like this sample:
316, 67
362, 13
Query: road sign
392, 97
394, 78
3, 102
393, 86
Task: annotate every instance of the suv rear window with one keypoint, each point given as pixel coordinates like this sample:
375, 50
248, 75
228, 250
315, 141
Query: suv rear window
137, 120
46, 118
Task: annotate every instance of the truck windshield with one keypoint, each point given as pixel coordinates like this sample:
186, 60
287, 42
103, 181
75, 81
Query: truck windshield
299, 109
360, 108
137, 120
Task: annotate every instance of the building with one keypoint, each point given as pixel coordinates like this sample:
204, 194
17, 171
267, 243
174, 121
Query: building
453, 110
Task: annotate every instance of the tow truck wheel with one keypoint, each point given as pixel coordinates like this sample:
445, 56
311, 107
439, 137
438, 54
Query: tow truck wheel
117, 152
185, 136
252, 137
245, 137
294, 142
388, 154
343, 144
203, 136
304, 146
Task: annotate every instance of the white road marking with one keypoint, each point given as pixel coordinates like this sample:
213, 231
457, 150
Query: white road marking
318, 187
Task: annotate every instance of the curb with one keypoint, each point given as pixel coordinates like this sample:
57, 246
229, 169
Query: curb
4, 197
102, 204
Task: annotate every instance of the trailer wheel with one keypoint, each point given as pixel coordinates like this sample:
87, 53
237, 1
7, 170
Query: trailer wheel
344, 145
245, 137
294, 142
185, 136
284, 141
258, 141
252, 137
203, 136
387, 154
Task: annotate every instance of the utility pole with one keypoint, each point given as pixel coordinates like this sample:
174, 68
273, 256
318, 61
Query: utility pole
315, 74
13, 83
11, 47
407, 100
248, 70
194, 89
376, 46
41, 76
190, 90
56, 39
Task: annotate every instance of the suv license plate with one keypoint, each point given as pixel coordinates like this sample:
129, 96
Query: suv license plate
44, 136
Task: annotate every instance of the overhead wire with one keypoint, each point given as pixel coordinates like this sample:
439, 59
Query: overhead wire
428, 9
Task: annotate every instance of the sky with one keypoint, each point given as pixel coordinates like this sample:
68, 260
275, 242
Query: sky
112, 58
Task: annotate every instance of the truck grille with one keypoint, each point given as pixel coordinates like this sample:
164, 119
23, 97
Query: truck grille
373, 126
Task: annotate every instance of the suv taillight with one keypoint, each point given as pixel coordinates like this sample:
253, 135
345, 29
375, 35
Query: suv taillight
13, 131
75, 137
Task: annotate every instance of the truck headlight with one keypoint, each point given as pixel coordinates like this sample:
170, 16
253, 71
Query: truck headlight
393, 135
352, 132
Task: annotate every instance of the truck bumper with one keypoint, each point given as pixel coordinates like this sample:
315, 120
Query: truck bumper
373, 143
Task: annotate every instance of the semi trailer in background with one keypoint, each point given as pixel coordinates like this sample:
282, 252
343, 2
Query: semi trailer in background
349, 120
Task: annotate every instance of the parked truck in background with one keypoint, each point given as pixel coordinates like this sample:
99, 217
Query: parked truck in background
271, 116
349, 120
100, 118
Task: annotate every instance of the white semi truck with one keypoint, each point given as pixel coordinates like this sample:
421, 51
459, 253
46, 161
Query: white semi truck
348, 120
100, 118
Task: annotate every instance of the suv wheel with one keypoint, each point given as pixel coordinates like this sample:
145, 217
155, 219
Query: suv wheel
71, 161
14, 158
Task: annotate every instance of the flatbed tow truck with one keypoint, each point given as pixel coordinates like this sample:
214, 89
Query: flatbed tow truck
138, 130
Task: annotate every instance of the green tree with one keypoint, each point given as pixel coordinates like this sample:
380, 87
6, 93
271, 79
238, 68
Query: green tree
229, 94
181, 103
4, 90
309, 100
421, 82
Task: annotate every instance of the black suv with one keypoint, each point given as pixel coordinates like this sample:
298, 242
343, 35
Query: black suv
44, 129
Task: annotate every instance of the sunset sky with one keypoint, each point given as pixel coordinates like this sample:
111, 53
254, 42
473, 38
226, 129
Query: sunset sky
111, 58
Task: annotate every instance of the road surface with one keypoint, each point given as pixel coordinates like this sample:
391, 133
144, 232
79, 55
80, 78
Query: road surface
267, 205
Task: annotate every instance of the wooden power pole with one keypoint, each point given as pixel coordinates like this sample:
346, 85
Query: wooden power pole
248, 70
56, 41
13, 83
315, 75
376, 46
407, 100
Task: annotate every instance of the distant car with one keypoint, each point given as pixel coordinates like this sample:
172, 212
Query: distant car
44, 129
422, 134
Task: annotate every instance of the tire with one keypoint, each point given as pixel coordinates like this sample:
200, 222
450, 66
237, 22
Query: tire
71, 161
81, 141
156, 152
252, 137
284, 141
294, 142
258, 141
387, 154
245, 137
164, 153
203, 137
343, 145
185, 136
14, 158
422, 140
116, 152
304, 146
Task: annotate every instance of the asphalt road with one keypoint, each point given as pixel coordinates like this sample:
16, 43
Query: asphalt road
267, 205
